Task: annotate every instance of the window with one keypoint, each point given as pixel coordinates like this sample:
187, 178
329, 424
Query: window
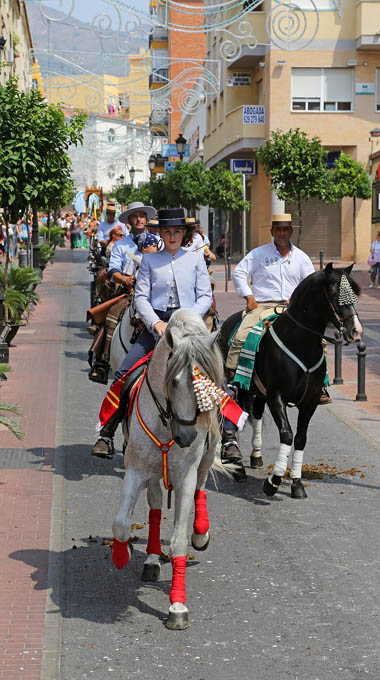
322, 89
378, 89
159, 59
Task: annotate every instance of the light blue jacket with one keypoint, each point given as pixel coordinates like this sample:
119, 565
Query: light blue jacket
155, 279
119, 260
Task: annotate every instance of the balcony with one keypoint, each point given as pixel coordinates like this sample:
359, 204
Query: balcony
242, 137
160, 77
367, 26
158, 118
159, 34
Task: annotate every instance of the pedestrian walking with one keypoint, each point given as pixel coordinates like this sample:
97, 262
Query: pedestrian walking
374, 261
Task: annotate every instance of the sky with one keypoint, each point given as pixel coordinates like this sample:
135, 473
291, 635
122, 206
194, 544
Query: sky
86, 9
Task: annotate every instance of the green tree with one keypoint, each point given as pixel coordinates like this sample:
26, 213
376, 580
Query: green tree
225, 192
34, 139
123, 194
351, 179
297, 167
187, 185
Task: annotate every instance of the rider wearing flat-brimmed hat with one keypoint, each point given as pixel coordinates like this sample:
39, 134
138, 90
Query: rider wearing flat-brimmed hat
170, 279
121, 271
109, 223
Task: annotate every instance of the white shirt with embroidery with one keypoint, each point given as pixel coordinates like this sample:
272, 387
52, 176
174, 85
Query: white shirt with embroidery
273, 277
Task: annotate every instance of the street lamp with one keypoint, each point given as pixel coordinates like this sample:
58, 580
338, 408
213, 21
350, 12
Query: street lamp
132, 173
151, 164
122, 178
180, 143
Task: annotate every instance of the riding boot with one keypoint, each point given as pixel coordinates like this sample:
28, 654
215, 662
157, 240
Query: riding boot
104, 446
231, 453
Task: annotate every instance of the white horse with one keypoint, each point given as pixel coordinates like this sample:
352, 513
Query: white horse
120, 343
166, 406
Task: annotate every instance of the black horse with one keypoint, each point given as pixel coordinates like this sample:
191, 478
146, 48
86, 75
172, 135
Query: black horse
290, 365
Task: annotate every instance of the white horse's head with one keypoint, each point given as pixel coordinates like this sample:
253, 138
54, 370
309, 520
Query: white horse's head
188, 342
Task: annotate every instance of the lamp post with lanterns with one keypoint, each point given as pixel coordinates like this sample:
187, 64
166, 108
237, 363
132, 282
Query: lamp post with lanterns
151, 164
132, 173
180, 143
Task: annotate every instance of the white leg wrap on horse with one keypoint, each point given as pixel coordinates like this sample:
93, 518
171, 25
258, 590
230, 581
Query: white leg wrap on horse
256, 434
282, 460
296, 469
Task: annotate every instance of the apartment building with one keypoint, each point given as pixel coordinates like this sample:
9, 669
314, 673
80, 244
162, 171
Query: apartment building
177, 61
125, 97
15, 43
327, 83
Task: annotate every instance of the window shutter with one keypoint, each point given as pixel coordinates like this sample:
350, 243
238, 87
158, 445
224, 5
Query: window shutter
306, 82
338, 84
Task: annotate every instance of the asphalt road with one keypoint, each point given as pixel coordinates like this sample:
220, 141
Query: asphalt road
287, 588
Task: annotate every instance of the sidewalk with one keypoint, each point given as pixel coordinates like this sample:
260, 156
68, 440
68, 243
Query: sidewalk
363, 417
26, 479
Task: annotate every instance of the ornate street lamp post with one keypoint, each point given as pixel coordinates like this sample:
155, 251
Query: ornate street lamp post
132, 173
151, 164
180, 143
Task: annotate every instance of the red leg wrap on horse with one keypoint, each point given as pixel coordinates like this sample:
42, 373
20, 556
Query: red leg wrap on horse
201, 524
178, 589
154, 543
120, 553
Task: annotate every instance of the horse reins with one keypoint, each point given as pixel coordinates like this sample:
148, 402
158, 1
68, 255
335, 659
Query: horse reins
337, 321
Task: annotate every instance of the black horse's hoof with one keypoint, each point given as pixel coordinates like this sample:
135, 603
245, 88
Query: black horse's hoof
239, 474
298, 489
151, 572
256, 462
270, 486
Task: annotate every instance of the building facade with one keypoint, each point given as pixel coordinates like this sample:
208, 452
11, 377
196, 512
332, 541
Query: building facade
327, 84
15, 44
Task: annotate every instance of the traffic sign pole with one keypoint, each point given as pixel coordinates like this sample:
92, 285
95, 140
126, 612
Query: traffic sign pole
244, 220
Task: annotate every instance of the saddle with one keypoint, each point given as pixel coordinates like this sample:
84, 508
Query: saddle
246, 363
122, 391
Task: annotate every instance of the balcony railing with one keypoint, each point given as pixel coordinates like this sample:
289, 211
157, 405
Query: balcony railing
159, 34
160, 76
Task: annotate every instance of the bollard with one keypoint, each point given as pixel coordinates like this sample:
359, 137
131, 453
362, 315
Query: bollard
22, 258
228, 268
361, 395
4, 355
338, 378
321, 259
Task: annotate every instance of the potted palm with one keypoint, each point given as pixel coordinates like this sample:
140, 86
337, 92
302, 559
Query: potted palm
6, 409
18, 294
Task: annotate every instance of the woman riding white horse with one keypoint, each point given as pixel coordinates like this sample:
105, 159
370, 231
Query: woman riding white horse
171, 279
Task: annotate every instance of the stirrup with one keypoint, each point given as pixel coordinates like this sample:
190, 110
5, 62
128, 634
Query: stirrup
99, 373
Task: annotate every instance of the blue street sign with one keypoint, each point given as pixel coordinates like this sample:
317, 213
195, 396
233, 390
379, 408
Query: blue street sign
169, 165
243, 165
171, 150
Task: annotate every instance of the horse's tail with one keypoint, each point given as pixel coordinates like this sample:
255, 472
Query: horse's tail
224, 468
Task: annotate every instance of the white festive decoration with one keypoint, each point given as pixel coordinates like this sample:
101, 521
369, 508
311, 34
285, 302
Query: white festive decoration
207, 394
346, 294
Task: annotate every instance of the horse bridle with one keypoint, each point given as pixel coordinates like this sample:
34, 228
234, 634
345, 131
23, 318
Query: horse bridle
336, 320
166, 416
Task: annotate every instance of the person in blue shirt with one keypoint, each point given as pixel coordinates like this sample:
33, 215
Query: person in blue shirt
167, 280
122, 270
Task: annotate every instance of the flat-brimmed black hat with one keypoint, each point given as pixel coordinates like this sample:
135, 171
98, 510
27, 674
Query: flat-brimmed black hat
171, 217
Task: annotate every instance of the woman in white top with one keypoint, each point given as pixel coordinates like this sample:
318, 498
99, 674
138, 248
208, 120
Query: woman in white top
375, 268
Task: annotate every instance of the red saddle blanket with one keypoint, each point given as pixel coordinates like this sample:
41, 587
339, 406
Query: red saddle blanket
228, 407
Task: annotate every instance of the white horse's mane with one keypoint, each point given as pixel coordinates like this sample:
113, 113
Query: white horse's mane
193, 344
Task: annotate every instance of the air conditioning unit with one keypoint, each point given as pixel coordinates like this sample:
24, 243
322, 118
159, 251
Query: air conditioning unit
10, 56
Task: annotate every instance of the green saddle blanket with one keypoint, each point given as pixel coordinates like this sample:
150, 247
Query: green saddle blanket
246, 363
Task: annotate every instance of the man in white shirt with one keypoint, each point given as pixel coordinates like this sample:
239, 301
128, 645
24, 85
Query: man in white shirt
109, 223
275, 270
